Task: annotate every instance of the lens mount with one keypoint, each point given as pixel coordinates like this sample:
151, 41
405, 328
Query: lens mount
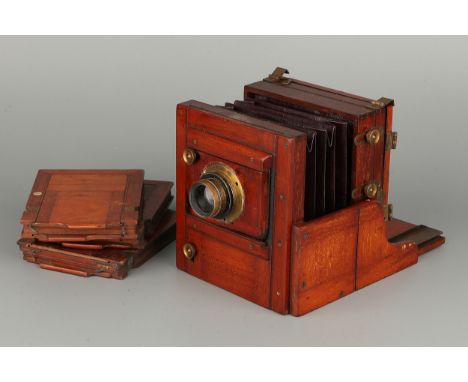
209, 197
218, 194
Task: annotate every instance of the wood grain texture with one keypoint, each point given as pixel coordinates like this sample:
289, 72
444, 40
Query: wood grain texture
153, 203
294, 266
162, 235
35, 197
361, 114
234, 130
242, 242
81, 263
331, 93
224, 148
85, 201
345, 251
395, 227
132, 240
100, 257
181, 169
243, 238
254, 219
230, 268
94, 261
312, 97
237, 127
429, 246
65, 270
288, 208
324, 260
377, 258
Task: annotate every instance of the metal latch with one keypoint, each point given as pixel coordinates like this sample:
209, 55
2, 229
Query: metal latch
388, 212
391, 141
277, 76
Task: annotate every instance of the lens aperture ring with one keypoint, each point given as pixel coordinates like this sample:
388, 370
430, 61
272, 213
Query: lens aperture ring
226, 192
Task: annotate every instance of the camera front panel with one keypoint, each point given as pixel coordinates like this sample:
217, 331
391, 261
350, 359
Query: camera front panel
227, 194
249, 254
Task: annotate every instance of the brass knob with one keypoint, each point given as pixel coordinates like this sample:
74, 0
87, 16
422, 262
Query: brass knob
371, 190
373, 136
189, 156
189, 251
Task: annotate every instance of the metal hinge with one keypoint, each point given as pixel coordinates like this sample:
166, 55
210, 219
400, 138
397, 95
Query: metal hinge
391, 141
388, 212
277, 76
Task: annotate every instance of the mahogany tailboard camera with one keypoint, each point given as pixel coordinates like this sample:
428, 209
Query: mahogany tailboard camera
282, 198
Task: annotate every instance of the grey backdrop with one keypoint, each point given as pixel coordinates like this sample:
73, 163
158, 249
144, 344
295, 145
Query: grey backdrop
109, 102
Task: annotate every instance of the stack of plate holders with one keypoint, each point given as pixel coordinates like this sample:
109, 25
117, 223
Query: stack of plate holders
96, 222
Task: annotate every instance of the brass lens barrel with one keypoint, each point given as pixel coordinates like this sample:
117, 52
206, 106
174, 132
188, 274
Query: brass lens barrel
209, 197
218, 194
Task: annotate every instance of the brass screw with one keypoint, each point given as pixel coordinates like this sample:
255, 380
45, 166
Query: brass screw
373, 136
189, 156
371, 190
189, 251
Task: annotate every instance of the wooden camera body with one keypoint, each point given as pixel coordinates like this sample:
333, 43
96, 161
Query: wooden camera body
282, 197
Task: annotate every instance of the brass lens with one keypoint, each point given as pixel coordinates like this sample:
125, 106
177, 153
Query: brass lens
209, 197
218, 194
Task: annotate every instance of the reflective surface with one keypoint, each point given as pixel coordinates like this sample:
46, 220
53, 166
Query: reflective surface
218, 194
